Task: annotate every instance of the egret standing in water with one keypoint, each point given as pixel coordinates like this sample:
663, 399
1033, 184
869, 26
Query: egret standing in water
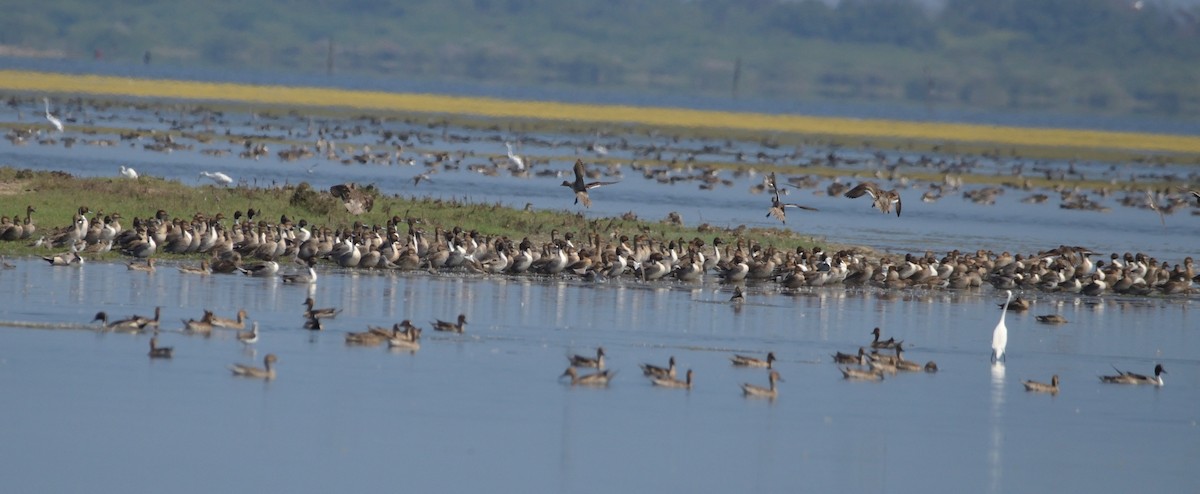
53, 121
1000, 334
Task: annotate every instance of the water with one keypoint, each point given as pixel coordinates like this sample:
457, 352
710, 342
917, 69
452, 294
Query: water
485, 409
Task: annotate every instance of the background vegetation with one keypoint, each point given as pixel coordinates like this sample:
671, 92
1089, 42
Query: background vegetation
1105, 56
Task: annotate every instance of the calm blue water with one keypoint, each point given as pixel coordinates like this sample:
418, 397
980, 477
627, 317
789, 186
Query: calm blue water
485, 409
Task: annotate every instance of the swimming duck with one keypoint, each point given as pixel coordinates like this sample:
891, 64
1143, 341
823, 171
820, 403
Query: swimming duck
888, 343
221, 322
203, 269
671, 382
655, 371
931, 366
159, 351
302, 278
201, 326
1051, 319
759, 391
408, 338
1017, 305
312, 313
871, 375
747, 361
850, 358
267, 371
147, 267
66, 259
261, 269
881, 199
600, 378
249, 337
738, 297
1124, 377
440, 325
580, 187
583, 361
1038, 387
130, 323
313, 323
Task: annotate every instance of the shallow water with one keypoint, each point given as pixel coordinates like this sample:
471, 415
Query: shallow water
485, 409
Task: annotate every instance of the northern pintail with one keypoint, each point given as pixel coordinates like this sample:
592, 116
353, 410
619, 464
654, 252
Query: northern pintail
201, 326
160, 351
600, 378
1035, 386
888, 343
221, 322
371, 337
267, 371
580, 187
738, 296
65, 259
1124, 377
778, 208
249, 337
650, 370
747, 361
405, 336
1000, 334
585, 361
148, 266
440, 325
301, 278
671, 382
129, 323
203, 269
880, 199
759, 391
871, 375
313, 323
850, 358
261, 269
312, 313
1052, 319
148, 322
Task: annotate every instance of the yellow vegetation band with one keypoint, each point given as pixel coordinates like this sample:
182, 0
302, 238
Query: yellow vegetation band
615, 114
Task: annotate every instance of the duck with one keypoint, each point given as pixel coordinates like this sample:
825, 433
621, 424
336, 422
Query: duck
585, 361
1051, 319
580, 187
129, 323
1124, 377
147, 267
302, 278
263, 269
850, 358
880, 199
407, 339
778, 208
1038, 387
366, 338
738, 296
160, 351
600, 378
249, 337
440, 325
931, 367
888, 343
221, 322
65, 259
202, 270
761, 392
671, 382
267, 371
654, 371
202, 326
1017, 305
312, 313
313, 323
747, 361
874, 374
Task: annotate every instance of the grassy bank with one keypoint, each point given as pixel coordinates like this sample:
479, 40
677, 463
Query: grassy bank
1033, 142
56, 196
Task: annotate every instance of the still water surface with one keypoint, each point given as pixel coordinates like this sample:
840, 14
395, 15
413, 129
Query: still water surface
88, 411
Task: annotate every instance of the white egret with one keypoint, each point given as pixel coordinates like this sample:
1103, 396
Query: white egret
53, 121
513, 158
1000, 334
129, 172
218, 177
